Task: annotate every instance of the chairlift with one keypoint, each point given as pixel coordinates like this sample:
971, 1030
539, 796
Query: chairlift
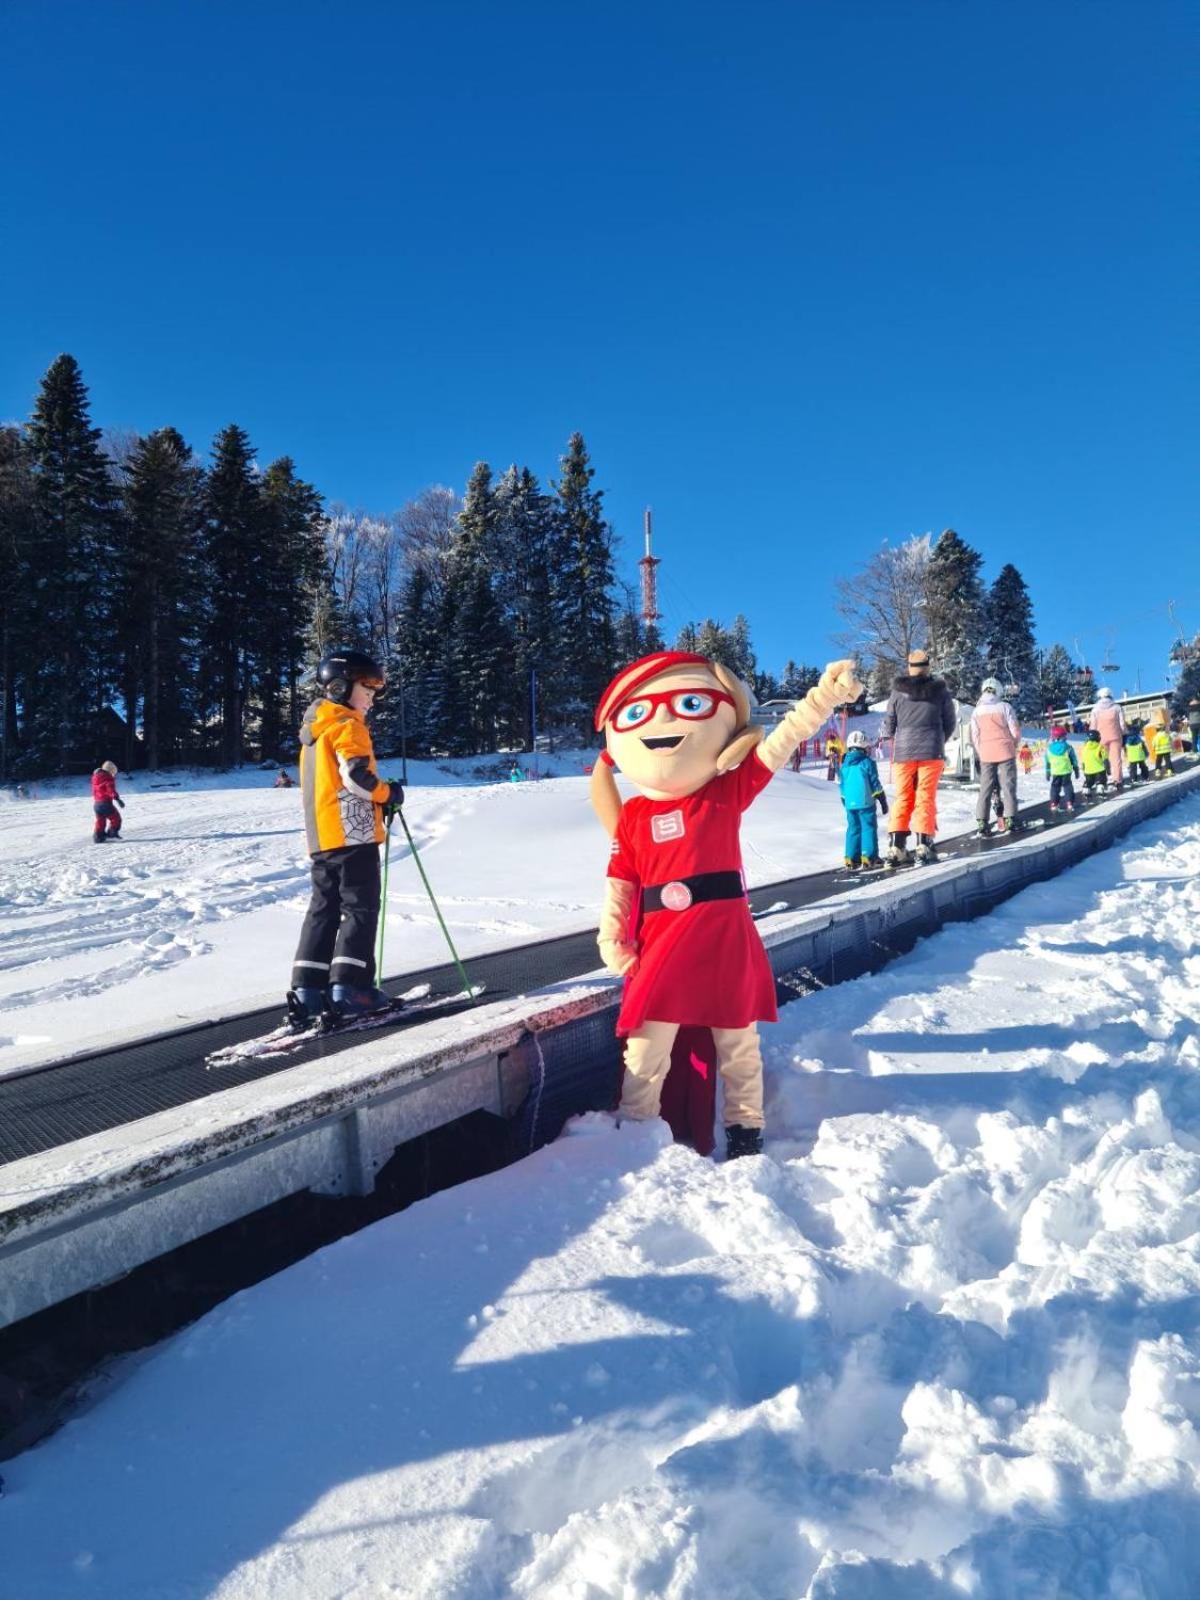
1108, 664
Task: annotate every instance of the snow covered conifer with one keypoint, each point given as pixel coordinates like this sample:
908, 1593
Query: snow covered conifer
75, 533
234, 529
1011, 651
955, 614
584, 602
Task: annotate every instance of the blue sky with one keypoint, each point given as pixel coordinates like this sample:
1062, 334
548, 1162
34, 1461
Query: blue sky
807, 275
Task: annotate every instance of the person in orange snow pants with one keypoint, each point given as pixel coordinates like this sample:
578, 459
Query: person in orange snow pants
914, 801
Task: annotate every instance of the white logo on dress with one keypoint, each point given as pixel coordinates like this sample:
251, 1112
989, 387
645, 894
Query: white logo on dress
666, 825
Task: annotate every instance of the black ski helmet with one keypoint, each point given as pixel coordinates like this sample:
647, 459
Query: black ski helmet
340, 670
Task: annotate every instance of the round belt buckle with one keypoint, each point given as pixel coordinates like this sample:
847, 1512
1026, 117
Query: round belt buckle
676, 896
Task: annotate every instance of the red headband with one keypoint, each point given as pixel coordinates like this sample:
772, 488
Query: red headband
639, 672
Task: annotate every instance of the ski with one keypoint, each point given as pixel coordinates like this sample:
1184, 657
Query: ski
284, 1041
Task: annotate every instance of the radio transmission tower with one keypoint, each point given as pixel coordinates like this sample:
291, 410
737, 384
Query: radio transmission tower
648, 564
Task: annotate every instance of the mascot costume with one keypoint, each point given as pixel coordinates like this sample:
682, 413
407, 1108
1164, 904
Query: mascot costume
676, 922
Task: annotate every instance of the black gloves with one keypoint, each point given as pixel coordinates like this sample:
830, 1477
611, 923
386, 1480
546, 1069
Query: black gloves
121, 803
395, 797
883, 805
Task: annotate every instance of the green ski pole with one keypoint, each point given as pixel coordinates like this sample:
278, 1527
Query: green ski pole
436, 909
387, 850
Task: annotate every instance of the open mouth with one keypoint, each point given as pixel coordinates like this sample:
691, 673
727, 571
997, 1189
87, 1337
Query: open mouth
663, 744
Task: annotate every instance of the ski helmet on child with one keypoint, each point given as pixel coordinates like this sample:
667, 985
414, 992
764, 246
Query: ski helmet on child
338, 672
990, 686
856, 740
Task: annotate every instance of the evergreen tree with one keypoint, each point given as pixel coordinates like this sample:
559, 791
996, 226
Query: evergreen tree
20, 644
1011, 653
478, 682
1187, 687
956, 614
523, 538
584, 606
1055, 680
158, 620
688, 638
74, 536
233, 561
293, 575
798, 680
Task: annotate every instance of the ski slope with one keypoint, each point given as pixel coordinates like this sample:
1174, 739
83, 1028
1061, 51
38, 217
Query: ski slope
940, 1342
196, 912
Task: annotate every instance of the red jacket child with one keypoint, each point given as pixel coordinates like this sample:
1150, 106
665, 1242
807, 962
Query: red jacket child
105, 801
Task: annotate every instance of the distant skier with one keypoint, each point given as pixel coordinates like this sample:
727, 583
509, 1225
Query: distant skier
1061, 762
995, 735
1094, 760
861, 792
1160, 749
1109, 722
1135, 754
920, 717
1025, 757
1193, 722
834, 750
105, 800
344, 805
283, 780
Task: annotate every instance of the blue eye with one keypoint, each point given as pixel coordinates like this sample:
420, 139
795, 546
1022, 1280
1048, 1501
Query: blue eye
691, 703
632, 715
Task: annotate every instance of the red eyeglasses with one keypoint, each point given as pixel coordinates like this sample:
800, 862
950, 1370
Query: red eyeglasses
691, 705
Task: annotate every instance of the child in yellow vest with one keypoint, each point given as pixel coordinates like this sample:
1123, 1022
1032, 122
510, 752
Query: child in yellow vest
1094, 760
1135, 755
1160, 749
1060, 764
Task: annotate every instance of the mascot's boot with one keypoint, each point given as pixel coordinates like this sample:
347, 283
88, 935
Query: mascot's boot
742, 1141
897, 855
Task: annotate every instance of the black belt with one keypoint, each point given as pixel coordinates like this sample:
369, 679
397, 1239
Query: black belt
681, 893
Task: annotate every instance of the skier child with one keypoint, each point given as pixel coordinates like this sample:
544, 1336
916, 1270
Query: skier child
1135, 755
105, 801
1025, 757
344, 804
1060, 764
1094, 758
1160, 749
861, 792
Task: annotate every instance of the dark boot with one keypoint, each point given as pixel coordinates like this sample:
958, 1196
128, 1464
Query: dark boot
305, 1006
897, 855
345, 1001
741, 1141
925, 848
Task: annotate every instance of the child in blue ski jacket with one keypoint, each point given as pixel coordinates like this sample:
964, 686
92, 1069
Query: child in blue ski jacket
861, 792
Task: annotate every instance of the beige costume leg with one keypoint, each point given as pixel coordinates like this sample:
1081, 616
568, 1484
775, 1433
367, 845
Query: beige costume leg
647, 1062
739, 1061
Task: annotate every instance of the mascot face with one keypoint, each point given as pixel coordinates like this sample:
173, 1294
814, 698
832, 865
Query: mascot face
667, 733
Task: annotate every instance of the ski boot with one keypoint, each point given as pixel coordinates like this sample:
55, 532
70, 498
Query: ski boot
897, 855
926, 852
305, 1006
742, 1141
984, 830
850, 864
1053, 807
1069, 808
1006, 825
870, 863
346, 1002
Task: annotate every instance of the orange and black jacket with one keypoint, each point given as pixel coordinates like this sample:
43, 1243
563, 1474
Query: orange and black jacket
343, 794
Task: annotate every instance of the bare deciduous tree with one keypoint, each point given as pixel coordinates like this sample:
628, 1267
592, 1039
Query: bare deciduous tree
884, 605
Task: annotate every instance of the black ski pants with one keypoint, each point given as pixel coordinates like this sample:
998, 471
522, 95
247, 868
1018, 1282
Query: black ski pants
1062, 790
1164, 763
337, 941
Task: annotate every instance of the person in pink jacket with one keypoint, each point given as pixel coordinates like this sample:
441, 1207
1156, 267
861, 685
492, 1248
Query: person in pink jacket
995, 736
1109, 722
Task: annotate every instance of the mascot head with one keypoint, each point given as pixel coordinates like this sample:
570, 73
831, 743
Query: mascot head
671, 722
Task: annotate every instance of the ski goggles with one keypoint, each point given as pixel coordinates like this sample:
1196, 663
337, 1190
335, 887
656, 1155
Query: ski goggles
689, 705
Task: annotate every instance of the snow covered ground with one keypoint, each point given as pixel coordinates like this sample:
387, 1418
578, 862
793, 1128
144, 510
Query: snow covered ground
195, 913
942, 1341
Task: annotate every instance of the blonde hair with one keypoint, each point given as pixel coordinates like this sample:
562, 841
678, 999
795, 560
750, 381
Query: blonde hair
606, 797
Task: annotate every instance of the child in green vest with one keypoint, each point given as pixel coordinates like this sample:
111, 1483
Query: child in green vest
1135, 755
1060, 764
1094, 759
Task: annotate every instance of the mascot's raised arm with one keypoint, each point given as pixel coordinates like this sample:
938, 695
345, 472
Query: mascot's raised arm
676, 922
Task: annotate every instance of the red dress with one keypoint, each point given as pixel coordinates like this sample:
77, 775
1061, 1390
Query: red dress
704, 965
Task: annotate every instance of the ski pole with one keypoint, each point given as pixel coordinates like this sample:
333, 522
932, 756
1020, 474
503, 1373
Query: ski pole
387, 850
436, 908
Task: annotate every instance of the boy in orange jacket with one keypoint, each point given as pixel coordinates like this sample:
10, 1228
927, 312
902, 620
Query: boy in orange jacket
344, 804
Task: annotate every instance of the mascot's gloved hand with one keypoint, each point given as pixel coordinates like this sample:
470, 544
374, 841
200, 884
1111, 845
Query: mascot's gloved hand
619, 958
838, 686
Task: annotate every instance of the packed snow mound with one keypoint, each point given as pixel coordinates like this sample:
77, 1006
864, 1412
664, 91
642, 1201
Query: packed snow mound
941, 1341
